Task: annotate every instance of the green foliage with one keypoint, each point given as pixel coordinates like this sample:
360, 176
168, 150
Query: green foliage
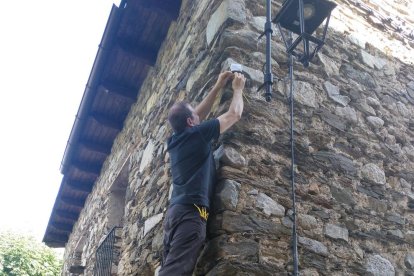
23, 256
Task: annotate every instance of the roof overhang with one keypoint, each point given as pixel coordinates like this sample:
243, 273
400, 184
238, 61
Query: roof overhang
122, 62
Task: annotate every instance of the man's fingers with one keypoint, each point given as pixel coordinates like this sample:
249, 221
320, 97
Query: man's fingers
240, 76
226, 75
238, 81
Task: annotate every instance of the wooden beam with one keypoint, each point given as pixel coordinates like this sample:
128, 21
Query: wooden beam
80, 186
112, 88
53, 238
59, 244
76, 202
67, 215
140, 53
94, 169
107, 121
95, 147
165, 9
65, 227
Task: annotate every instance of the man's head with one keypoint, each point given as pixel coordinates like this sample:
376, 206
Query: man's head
181, 116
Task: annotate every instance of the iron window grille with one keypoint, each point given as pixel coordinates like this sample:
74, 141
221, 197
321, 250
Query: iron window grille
107, 254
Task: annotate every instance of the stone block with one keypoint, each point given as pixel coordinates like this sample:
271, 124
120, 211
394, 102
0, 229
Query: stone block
232, 222
305, 94
336, 232
235, 268
147, 156
336, 161
226, 247
347, 113
377, 204
258, 23
365, 108
333, 120
377, 265
375, 122
409, 260
243, 39
410, 89
273, 252
230, 157
343, 196
197, 73
157, 241
373, 173
287, 222
396, 233
403, 110
307, 222
330, 66
396, 218
409, 151
253, 192
152, 222
170, 191
358, 39
227, 195
321, 214
269, 206
361, 77
373, 102
333, 93
313, 246
229, 11
372, 61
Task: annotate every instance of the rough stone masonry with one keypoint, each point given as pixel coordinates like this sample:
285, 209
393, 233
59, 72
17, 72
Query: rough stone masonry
354, 129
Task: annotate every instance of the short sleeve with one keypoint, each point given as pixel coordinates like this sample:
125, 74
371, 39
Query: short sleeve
210, 130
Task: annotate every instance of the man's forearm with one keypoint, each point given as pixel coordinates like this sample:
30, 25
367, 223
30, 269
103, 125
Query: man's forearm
204, 107
234, 112
236, 105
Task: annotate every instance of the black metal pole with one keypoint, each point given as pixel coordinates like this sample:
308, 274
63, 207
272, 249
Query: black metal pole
292, 149
268, 77
305, 57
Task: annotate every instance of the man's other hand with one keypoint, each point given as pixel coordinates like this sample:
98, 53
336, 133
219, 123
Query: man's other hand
238, 82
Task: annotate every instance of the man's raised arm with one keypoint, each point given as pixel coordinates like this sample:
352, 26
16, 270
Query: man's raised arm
236, 106
204, 107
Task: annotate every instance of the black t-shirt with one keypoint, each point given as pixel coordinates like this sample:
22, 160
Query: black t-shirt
192, 164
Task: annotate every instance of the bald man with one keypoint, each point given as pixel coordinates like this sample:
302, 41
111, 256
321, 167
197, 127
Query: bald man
193, 174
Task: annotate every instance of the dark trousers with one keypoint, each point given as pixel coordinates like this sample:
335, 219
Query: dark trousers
184, 236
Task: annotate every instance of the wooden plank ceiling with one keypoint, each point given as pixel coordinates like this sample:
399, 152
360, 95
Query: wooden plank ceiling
132, 38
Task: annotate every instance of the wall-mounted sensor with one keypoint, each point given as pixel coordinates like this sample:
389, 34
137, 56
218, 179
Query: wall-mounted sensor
235, 67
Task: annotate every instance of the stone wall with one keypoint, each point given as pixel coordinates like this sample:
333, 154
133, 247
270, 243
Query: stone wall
353, 143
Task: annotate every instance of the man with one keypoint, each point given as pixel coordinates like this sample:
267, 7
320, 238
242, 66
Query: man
193, 173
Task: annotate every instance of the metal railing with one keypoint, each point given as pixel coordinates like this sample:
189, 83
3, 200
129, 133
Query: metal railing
107, 254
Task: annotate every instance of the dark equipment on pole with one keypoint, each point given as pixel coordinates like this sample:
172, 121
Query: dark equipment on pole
303, 17
268, 75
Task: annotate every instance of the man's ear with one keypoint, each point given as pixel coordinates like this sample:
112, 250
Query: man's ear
190, 122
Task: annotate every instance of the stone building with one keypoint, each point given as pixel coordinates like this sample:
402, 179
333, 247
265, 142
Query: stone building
354, 135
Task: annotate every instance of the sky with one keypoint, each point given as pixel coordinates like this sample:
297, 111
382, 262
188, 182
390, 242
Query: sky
47, 49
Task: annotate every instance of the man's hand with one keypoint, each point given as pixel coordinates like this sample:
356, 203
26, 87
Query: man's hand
238, 82
205, 106
223, 78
